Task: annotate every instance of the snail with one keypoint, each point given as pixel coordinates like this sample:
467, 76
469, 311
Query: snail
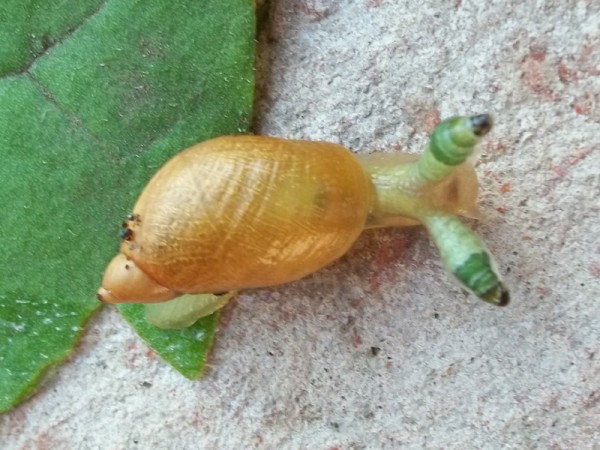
242, 212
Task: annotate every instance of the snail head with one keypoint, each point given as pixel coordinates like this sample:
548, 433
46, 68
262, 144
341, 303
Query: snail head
125, 282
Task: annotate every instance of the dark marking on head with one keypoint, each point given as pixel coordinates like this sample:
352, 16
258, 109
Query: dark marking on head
504, 298
481, 124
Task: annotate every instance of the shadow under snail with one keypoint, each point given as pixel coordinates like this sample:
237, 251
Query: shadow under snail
240, 212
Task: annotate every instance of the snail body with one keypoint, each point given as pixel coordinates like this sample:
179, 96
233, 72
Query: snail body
243, 212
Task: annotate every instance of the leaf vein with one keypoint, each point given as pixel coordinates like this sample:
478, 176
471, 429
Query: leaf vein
69, 32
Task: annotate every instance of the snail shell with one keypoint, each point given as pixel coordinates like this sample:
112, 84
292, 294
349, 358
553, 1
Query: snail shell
239, 212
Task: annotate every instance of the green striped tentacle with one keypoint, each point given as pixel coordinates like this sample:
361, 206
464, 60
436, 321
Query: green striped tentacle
465, 255
399, 191
451, 143
462, 252
399, 185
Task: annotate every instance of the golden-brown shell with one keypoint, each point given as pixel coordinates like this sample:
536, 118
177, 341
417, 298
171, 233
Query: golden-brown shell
247, 211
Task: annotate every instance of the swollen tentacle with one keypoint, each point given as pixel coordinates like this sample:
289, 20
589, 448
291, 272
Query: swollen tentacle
451, 143
465, 255
418, 190
407, 188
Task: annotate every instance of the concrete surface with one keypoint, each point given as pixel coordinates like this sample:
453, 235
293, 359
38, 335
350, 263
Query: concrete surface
381, 350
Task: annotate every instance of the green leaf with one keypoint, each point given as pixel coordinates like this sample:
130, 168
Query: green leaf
185, 349
95, 96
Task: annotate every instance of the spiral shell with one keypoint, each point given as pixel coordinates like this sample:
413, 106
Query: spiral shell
246, 211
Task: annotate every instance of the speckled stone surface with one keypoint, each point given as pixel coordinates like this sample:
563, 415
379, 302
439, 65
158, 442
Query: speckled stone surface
381, 350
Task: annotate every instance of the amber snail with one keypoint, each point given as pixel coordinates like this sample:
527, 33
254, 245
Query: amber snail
240, 212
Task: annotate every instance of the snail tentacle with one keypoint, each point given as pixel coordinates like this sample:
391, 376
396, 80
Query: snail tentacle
466, 257
451, 144
439, 179
432, 190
